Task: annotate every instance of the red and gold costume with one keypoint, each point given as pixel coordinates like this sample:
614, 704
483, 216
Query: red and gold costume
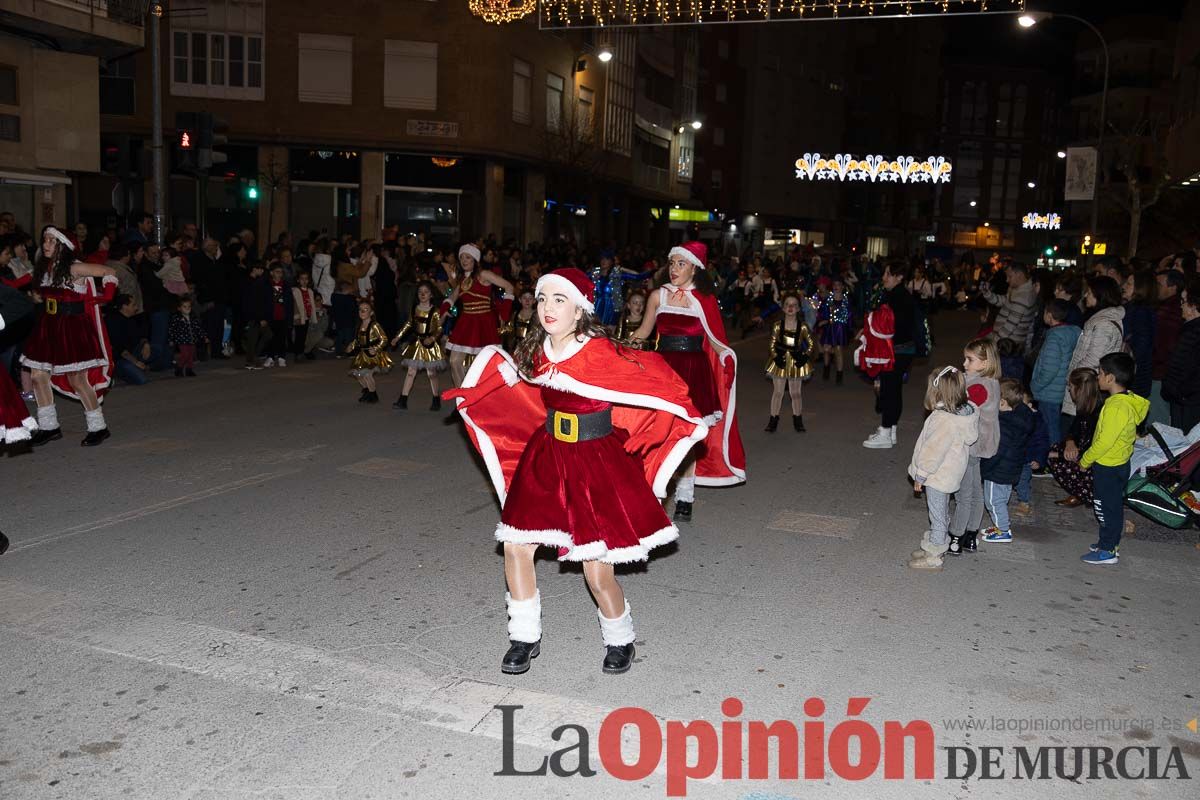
594, 497
478, 323
875, 354
69, 334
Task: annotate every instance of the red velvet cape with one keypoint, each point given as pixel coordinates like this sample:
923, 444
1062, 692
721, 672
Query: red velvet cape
876, 354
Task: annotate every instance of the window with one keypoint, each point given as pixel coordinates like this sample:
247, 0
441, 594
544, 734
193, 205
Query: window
719, 137
618, 114
554, 101
326, 69
410, 74
722, 93
683, 164
522, 104
10, 128
716, 178
118, 89
587, 105
8, 86
208, 64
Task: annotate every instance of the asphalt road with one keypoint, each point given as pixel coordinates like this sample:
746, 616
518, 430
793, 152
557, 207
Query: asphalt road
259, 588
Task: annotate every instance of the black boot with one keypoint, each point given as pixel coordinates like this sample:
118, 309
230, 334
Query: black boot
95, 437
955, 548
519, 654
436, 405
826, 375
191, 373
362, 398
178, 372
372, 397
839, 378
43, 436
401, 402
969, 541
3, 543
772, 423
798, 423
683, 511
618, 659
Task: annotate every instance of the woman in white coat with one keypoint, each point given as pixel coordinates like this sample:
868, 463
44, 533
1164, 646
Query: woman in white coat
1103, 332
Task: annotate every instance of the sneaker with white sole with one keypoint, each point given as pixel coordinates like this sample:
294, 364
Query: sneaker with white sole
281, 362
998, 536
881, 439
1100, 558
270, 362
892, 433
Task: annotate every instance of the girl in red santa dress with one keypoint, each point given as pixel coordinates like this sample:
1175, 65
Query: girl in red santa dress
691, 338
68, 350
15, 423
478, 323
580, 440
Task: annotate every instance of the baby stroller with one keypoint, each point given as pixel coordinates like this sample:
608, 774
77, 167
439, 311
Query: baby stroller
1164, 493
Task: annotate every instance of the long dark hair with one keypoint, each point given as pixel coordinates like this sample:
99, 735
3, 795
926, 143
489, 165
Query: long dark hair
529, 349
700, 278
59, 268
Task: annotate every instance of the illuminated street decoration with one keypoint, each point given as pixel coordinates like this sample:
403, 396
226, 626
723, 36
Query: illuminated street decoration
501, 11
845, 167
611, 13
1044, 222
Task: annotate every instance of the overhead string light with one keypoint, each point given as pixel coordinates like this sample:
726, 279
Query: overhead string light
602, 13
501, 11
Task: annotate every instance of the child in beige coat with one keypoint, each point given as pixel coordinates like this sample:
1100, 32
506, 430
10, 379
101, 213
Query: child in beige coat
939, 459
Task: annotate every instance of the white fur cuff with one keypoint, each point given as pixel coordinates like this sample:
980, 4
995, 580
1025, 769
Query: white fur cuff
524, 618
617, 631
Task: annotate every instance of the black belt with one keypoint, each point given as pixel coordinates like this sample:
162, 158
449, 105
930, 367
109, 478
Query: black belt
578, 427
680, 344
54, 307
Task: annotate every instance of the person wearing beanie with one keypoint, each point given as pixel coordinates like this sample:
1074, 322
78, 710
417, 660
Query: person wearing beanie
683, 311
580, 441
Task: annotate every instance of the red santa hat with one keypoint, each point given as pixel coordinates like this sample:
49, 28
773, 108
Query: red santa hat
695, 252
573, 283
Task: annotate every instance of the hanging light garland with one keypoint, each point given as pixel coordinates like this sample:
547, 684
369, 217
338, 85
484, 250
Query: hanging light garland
501, 11
601, 13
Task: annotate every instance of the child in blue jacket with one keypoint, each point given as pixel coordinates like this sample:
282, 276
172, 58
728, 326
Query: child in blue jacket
1002, 471
1049, 381
1036, 455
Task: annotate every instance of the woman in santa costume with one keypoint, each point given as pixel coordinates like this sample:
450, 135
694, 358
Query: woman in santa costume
478, 324
691, 338
68, 350
15, 423
580, 440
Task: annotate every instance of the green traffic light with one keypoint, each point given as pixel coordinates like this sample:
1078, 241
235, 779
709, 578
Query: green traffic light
1049, 251
252, 193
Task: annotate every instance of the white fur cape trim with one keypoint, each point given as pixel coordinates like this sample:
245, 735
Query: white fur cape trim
592, 551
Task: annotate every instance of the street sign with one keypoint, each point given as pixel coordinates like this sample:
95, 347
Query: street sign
1081, 173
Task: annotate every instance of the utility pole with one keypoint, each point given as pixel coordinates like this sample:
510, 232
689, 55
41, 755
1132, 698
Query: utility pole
156, 147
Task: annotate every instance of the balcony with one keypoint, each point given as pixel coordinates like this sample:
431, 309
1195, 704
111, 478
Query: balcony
103, 28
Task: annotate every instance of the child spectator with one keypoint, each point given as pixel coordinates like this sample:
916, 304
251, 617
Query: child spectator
1012, 365
255, 311
171, 273
344, 310
304, 310
1108, 457
1181, 383
940, 458
315, 338
1064, 458
981, 365
279, 318
184, 333
1002, 471
1035, 457
1049, 382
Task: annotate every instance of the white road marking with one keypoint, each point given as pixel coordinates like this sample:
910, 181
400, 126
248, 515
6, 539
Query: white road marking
145, 511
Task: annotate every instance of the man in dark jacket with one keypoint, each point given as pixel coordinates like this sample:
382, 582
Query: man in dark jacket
256, 311
1168, 321
213, 292
158, 303
891, 384
1002, 471
1181, 384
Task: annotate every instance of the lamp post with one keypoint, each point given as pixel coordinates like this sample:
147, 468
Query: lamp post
1031, 18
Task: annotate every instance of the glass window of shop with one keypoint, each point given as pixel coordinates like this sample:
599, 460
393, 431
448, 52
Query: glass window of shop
325, 191
429, 194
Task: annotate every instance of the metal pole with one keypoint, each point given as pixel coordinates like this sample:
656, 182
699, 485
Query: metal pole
156, 147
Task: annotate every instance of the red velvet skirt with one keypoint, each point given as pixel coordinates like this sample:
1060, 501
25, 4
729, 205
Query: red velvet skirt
62, 343
473, 332
693, 366
15, 422
590, 499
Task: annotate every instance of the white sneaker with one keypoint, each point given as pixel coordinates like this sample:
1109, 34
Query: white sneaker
270, 362
892, 431
282, 362
881, 439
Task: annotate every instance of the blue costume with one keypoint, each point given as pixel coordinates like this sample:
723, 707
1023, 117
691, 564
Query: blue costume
836, 313
610, 291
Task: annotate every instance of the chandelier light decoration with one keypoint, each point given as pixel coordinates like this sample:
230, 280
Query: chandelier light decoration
501, 11
901, 169
441, 161
555, 14
1046, 222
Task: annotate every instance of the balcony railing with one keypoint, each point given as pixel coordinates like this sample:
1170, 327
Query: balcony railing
130, 12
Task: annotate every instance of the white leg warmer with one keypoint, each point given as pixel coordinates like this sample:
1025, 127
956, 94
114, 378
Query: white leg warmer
47, 417
685, 489
524, 618
95, 420
617, 631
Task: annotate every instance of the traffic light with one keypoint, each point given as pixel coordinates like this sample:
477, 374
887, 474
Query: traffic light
252, 190
211, 134
1049, 251
185, 141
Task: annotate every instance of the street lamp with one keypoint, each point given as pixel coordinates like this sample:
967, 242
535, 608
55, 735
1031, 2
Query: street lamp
605, 53
1062, 154
1031, 18
696, 124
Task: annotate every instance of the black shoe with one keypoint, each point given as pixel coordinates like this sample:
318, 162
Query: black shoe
372, 397
191, 373
519, 654
839, 378
452, 418
362, 398
311, 356
798, 423
95, 437
772, 424
826, 375
969, 541
401, 402
178, 372
436, 405
3, 543
683, 511
43, 436
618, 659
955, 548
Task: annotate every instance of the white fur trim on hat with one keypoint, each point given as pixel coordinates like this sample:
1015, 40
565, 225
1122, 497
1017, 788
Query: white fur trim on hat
687, 255
470, 250
567, 288
62, 237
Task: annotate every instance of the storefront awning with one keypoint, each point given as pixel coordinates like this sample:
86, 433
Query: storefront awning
33, 178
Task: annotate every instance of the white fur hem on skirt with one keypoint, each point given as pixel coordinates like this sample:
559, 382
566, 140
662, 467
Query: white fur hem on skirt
462, 348
423, 366
63, 369
592, 551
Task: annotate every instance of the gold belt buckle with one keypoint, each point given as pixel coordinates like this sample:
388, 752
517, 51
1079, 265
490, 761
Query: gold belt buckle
51, 305
568, 432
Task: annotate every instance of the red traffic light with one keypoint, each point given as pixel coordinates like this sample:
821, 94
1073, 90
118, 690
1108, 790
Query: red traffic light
185, 140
